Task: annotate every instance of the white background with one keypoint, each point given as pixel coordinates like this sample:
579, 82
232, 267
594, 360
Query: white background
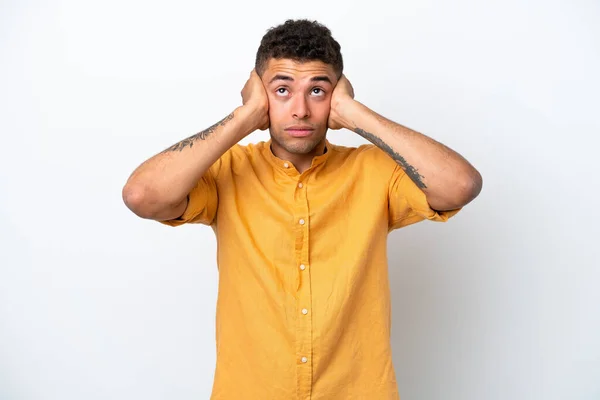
502, 302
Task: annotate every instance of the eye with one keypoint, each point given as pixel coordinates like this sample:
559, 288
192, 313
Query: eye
281, 91
318, 91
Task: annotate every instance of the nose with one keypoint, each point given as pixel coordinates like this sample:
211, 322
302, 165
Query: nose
300, 108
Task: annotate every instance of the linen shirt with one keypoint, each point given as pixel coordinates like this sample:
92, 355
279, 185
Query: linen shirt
303, 306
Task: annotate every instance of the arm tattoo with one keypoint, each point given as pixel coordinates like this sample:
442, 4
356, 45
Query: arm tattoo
409, 169
199, 136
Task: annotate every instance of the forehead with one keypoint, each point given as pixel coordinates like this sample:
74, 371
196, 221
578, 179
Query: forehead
298, 70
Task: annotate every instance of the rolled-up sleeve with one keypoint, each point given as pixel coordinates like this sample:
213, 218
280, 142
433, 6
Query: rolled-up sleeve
408, 203
203, 201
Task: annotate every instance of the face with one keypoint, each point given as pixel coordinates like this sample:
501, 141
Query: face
299, 103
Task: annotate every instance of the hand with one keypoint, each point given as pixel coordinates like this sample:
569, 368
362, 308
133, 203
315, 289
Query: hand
254, 96
342, 95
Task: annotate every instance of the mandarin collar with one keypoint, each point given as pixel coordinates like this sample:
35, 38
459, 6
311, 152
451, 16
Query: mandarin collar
286, 165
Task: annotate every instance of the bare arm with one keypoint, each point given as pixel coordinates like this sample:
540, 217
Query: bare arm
448, 180
159, 187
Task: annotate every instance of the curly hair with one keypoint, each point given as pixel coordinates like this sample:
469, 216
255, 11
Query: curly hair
299, 40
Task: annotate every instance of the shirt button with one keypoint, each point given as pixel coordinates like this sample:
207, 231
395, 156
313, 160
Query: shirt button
304, 311
302, 267
300, 185
301, 221
304, 359
286, 165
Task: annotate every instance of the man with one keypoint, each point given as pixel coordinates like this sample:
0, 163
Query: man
303, 310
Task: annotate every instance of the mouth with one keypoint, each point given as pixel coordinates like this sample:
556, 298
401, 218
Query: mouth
299, 131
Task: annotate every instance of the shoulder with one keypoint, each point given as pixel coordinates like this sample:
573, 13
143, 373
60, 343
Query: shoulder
239, 152
367, 154
249, 150
239, 157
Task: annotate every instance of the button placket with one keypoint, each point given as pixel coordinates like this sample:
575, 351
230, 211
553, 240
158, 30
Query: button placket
304, 296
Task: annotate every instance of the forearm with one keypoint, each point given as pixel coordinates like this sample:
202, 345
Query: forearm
448, 180
163, 182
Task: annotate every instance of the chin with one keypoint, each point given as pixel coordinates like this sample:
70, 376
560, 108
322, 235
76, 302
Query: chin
299, 145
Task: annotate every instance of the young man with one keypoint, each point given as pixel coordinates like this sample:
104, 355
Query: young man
303, 310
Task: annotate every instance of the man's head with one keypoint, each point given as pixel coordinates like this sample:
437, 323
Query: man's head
299, 63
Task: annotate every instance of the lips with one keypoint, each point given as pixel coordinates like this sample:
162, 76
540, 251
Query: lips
299, 130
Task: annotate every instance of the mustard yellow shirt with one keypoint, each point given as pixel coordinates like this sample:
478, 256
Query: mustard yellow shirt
303, 306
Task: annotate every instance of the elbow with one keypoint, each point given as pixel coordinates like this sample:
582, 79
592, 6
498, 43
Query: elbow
470, 187
476, 184
464, 189
137, 200
148, 203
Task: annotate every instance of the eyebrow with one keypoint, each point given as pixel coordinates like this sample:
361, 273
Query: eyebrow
319, 78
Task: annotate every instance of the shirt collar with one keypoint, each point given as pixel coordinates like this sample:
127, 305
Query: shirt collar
286, 165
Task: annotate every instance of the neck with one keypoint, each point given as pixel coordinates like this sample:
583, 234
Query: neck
301, 162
